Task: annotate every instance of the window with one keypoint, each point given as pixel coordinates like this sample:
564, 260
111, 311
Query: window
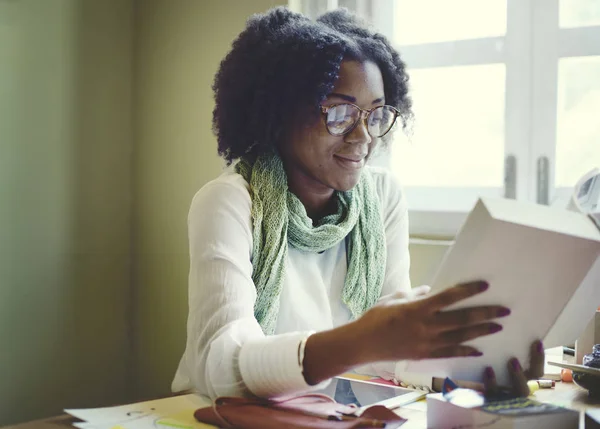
426, 21
506, 98
578, 118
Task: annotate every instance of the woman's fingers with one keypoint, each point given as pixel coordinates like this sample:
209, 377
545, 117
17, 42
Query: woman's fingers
490, 383
455, 351
536, 361
455, 294
519, 380
446, 320
459, 336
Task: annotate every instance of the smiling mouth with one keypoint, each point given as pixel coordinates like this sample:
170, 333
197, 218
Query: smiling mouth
350, 162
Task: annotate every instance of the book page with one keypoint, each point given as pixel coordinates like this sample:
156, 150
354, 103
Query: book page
534, 271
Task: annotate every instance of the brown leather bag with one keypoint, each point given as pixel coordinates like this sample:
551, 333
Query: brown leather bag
301, 412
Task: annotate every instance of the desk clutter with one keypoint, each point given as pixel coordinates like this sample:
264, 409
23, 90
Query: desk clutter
195, 412
519, 413
552, 405
168, 413
457, 407
301, 412
464, 409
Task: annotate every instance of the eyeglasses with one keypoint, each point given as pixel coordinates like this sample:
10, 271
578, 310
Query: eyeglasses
340, 119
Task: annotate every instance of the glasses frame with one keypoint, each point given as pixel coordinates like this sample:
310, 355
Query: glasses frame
364, 116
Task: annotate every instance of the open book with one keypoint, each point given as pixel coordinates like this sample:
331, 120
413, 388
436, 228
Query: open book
541, 262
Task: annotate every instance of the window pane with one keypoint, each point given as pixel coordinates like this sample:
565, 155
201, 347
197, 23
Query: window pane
458, 135
578, 132
313, 8
427, 21
579, 13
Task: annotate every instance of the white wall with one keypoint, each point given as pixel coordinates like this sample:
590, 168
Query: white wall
425, 259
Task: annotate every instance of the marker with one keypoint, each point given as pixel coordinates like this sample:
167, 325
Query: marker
540, 384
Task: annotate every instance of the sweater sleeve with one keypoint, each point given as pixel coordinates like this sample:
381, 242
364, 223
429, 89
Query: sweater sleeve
227, 353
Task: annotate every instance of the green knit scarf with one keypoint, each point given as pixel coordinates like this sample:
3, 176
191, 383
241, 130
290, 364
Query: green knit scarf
279, 218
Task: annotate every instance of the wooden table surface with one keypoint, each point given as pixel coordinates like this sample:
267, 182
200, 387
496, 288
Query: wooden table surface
64, 421
564, 394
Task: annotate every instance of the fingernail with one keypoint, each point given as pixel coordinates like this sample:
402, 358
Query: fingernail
475, 353
495, 328
489, 373
483, 286
503, 312
515, 364
540, 347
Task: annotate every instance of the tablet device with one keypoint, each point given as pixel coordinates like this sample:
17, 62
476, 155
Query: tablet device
366, 393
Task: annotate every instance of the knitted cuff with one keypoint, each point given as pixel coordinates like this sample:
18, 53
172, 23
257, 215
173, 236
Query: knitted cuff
272, 366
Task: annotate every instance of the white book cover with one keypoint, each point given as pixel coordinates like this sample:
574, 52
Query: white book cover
543, 263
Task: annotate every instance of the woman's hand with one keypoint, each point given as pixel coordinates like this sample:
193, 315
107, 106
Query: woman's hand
518, 376
402, 329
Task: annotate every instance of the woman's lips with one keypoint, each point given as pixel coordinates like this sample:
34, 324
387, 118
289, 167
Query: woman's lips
351, 161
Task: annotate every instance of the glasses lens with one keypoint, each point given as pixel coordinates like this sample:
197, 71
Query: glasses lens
341, 118
381, 120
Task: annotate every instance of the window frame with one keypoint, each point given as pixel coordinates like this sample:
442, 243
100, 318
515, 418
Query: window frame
531, 50
512, 50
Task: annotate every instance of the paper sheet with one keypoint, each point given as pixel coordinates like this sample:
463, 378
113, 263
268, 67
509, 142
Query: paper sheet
168, 413
540, 262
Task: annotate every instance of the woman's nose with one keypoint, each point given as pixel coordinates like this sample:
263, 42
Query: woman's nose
360, 133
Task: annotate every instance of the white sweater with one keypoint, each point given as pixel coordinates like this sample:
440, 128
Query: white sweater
227, 353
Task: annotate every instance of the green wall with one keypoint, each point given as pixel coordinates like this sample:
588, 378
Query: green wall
65, 198
180, 45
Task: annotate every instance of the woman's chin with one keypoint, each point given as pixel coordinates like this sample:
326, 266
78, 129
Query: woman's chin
346, 182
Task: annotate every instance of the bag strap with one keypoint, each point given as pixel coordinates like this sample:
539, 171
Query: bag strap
226, 400
326, 398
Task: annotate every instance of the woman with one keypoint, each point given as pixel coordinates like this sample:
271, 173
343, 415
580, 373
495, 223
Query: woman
300, 236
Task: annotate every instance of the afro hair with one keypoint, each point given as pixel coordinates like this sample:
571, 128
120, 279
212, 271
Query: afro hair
284, 64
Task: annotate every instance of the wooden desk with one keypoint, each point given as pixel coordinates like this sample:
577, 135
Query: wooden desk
564, 394
60, 422
568, 395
